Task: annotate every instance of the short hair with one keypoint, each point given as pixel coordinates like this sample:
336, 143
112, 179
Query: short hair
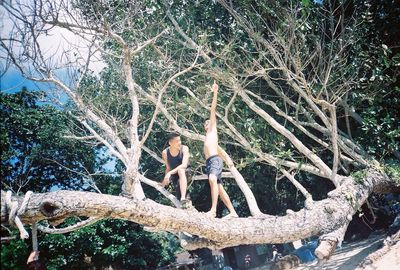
172, 135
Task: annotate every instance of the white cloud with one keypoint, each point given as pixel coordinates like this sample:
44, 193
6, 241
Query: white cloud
59, 46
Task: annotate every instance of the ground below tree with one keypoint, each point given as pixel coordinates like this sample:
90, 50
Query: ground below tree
351, 254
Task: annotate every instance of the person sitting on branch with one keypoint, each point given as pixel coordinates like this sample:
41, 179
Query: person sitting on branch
176, 159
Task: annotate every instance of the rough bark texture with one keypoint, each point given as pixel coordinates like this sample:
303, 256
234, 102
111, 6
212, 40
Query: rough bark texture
324, 216
329, 242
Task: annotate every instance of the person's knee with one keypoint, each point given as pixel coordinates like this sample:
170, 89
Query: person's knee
182, 173
212, 179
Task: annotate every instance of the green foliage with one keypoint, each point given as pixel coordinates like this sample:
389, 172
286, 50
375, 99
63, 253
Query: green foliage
14, 254
392, 169
359, 176
32, 134
35, 155
117, 243
376, 96
381, 130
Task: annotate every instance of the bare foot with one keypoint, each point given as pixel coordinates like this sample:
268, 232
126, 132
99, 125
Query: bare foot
231, 215
211, 213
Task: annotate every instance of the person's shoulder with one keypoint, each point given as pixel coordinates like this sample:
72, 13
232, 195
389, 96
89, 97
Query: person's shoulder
164, 152
185, 147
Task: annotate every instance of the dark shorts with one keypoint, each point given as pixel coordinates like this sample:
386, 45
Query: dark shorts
214, 165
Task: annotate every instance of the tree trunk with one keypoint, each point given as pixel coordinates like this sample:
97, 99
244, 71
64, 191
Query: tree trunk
132, 186
324, 216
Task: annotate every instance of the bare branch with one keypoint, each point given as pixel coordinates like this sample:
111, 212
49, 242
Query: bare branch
334, 139
103, 141
282, 130
71, 228
160, 94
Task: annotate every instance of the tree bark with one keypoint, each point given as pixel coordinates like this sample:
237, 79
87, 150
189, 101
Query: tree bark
325, 216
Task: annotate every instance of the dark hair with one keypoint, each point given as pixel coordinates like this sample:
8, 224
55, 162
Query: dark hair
172, 135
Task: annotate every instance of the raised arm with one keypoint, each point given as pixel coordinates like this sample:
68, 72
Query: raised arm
213, 117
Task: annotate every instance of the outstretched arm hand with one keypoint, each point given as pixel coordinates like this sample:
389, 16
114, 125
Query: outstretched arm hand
213, 117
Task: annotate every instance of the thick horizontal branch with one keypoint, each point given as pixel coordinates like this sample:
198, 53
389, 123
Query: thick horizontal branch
324, 216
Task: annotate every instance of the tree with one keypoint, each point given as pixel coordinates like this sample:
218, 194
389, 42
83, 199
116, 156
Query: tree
284, 71
37, 156
35, 153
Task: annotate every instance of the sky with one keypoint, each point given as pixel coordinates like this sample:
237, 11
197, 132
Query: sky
53, 45
13, 81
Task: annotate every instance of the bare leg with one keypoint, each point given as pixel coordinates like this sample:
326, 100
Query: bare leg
212, 180
225, 199
182, 183
164, 183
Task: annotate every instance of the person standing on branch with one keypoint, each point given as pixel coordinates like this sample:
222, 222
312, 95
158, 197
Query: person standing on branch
176, 159
214, 163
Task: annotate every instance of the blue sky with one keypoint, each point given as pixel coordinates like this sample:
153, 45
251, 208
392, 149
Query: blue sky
12, 81
60, 46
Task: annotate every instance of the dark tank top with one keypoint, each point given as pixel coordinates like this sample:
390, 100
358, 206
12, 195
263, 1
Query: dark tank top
174, 161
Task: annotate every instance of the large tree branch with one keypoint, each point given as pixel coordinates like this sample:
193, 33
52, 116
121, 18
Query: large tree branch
108, 131
290, 136
325, 216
